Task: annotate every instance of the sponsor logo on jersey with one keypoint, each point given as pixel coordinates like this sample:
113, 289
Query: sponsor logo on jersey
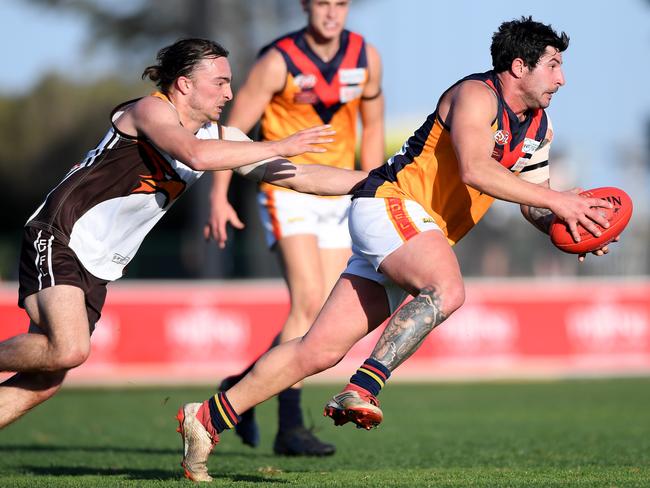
306, 97
349, 93
501, 137
530, 146
497, 153
118, 259
352, 76
519, 165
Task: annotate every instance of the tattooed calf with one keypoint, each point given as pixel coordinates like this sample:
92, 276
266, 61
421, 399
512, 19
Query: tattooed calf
408, 328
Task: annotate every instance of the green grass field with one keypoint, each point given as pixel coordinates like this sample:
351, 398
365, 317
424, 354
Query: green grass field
569, 433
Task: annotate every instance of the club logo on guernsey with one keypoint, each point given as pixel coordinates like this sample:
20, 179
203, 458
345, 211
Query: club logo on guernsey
305, 82
501, 137
163, 179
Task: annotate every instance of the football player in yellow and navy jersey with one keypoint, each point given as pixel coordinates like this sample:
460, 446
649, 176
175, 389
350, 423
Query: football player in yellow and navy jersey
487, 138
321, 74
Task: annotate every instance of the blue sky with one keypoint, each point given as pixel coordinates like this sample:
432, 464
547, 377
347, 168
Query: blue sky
601, 109
426, 46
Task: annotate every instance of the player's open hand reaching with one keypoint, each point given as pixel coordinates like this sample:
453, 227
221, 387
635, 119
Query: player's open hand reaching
307, 140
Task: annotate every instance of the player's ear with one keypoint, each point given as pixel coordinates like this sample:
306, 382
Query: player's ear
518, 67
183, 84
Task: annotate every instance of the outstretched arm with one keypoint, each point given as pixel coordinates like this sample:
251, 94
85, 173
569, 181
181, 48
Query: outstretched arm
305, 178
312, 178
159, 122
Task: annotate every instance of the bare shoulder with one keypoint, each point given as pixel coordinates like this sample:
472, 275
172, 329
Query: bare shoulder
374, 60
373, 84
470, 100
152, 107
272, 58
473, 90
270, 70
475, 97
372, 53
145, 115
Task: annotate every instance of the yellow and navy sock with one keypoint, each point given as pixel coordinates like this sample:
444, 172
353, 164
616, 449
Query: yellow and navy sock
221, 414
371, 376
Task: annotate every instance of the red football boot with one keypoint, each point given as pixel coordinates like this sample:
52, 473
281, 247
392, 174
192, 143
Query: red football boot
356, 405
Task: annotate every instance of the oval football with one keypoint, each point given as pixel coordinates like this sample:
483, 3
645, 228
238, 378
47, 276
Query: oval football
618, 218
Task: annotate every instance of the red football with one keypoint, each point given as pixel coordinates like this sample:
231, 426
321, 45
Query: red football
618, 217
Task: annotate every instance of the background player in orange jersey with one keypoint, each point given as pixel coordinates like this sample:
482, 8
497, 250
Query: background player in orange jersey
320, 74
92, 223
488, 138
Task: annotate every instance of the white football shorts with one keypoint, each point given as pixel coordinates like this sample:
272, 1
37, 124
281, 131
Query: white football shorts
287, 213
379, 226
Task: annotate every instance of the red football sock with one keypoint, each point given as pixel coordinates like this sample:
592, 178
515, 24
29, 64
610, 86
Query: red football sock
203, 416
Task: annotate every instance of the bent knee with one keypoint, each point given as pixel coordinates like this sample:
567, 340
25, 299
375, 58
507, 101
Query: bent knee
449, 297
68, 358
453, 298
316, 361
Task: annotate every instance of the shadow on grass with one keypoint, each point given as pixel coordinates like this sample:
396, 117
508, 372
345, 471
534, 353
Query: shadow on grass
140, 474
134, 474
117, 449
54, 448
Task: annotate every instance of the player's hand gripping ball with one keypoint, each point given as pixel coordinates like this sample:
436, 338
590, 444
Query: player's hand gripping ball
618, 217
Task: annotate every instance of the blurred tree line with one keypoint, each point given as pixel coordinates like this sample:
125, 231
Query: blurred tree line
47, 130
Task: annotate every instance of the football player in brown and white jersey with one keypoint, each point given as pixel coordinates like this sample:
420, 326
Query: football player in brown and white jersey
92, 223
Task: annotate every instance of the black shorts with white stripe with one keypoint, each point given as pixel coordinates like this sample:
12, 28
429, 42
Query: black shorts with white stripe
45, 261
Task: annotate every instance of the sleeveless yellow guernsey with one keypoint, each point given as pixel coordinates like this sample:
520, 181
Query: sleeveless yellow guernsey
426, 168
316, 93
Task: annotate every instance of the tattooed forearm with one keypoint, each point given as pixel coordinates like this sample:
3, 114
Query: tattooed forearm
539, 217
408, 328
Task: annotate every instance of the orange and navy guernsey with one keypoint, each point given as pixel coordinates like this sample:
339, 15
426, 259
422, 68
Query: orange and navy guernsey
426, 168
318, 92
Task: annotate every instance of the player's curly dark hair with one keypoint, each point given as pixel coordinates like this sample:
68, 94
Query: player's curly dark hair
526, 39
179, 59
